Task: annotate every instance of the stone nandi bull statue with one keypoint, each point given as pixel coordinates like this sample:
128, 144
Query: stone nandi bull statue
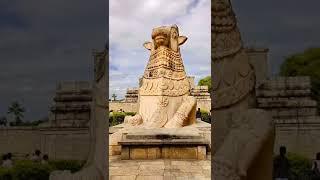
164, 99
164, 94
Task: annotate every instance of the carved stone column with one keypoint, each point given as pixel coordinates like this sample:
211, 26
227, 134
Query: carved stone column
95, 167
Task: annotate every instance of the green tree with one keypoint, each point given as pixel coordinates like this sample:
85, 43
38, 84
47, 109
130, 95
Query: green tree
306, 63
3, 121
206, 82
114, 96
17, 110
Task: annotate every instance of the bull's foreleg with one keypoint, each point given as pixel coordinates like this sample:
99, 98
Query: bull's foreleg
133, 120
183, 115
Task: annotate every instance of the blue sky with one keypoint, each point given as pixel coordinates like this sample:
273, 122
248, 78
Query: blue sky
131, 24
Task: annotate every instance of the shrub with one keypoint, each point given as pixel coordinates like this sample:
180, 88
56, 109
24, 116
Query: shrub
300, 166
5, 174
205, 116
29, 170
71, 165
118, 117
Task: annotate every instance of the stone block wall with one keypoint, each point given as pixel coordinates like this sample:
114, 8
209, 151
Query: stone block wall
126, 106
58, 143
289, 101
132, 95
71, 106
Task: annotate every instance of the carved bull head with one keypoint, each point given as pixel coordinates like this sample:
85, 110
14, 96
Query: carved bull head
167, 36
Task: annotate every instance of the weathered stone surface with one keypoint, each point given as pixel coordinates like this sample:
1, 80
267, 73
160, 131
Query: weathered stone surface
182, 143
238, 134
131, 95
288, 99
58, 143
288, 83
123, 178
137, 153
202, 152
71, 104
161, 168
95, 167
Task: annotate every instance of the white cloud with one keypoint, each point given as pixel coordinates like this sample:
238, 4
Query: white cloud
131, 23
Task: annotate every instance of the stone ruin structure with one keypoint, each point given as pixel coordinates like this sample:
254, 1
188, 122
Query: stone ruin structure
165, 125
131, 95
71, 106
201, 93
243, 135
288, 99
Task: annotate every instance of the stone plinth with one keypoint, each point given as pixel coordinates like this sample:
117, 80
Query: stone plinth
201, 128
184, 143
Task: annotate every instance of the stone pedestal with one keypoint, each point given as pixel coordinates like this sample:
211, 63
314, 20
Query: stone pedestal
184, 143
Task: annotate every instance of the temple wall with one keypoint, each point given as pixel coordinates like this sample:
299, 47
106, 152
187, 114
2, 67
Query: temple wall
288, 99
58, 143
203, 104
126, 106
299, 138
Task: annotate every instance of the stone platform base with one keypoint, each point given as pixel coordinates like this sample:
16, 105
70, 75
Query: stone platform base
159, 169
163, 152
118, 132
184, 143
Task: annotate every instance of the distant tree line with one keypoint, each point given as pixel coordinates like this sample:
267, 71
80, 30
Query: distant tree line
17, 111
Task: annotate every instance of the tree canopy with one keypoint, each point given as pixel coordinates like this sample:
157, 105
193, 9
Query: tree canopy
306, 63
205, 82
17, 110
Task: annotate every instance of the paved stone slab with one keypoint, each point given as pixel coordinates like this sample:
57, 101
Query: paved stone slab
162, 169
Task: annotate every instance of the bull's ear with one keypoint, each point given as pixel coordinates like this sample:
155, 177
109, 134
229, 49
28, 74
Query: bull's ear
182, 40
148, 45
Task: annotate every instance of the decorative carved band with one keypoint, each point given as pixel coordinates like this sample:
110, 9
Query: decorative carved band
164, 87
